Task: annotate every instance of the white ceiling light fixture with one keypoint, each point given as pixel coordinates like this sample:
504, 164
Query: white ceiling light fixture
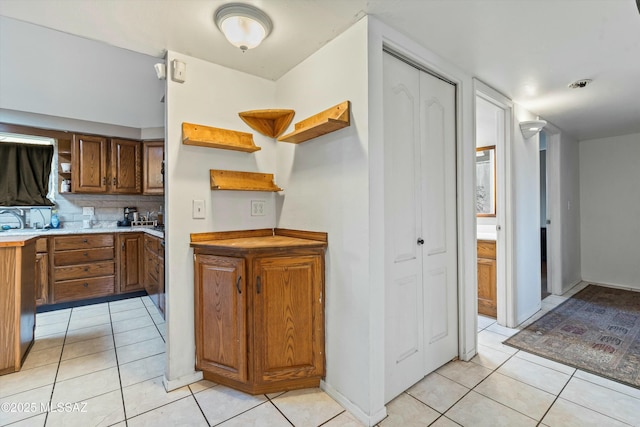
532, 127
243, 25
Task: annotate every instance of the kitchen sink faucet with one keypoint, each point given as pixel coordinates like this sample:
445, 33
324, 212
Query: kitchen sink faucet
18, 213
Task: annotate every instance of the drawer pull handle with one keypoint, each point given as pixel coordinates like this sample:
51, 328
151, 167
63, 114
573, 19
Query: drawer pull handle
86, 254
258, 284
86, 269
85, 241
86, 285
238, 284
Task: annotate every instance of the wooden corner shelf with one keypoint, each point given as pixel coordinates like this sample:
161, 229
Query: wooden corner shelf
242, 181
330, 120
268, 122
207, 136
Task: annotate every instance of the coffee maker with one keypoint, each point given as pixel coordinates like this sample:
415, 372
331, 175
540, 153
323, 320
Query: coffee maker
130, 214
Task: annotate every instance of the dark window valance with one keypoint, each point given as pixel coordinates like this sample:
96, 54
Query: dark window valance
24, 174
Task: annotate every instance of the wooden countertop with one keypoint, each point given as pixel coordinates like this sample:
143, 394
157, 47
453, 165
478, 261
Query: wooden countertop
13, 241
259, 239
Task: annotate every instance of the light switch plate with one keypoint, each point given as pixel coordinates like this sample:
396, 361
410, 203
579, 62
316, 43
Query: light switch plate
88, 210
198, 209
258, 207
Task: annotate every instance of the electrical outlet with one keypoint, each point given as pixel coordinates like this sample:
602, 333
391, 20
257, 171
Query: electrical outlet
88, 210
198, 209
258, 208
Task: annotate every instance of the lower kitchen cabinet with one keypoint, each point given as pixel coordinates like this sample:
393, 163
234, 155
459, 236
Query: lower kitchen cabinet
154, 270
41, 279
259, 308
131, 256
487, 283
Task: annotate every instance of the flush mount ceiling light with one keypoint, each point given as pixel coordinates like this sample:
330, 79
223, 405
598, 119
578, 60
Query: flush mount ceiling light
245, 26
532, 127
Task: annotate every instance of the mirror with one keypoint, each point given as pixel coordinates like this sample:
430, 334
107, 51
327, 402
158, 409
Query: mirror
486, 181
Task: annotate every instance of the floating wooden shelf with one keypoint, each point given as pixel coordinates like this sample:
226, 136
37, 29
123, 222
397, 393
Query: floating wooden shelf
329, 120
207, 136
268, 122
242, 181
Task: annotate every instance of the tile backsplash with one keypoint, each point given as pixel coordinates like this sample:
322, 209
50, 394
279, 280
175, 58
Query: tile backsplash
108, 209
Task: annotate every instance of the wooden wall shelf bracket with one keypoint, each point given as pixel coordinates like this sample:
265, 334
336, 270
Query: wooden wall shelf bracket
207, 136
268, 122
332, 119
242, 181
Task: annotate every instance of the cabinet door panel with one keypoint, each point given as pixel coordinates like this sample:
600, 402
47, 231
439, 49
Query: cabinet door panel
487, 298
42, 278
288, 318
126, 162
153, 179
221, 343
130, 249
89, 164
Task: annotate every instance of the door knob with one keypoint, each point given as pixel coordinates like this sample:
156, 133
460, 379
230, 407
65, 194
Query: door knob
420, 241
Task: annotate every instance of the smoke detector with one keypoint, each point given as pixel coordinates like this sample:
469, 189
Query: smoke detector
579, 84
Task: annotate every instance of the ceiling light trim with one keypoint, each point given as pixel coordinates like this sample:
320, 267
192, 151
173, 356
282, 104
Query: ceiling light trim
241, 10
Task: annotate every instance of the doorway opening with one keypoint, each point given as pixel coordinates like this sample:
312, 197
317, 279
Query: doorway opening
544, 217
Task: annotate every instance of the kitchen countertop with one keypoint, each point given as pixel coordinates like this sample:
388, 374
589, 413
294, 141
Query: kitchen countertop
22, 235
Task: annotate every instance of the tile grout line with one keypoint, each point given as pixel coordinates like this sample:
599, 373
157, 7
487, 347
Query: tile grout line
332, 418
278, 409
124, 407
198, 403
55, 378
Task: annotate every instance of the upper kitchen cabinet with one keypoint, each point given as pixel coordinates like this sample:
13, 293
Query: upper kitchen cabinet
89, 164
99, 165
126, 166
152, 173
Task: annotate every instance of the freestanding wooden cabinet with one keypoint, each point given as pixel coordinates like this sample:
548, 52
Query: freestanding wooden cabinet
17, 301
259, 308
487, 298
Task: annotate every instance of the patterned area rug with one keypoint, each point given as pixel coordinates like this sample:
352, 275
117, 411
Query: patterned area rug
597, 330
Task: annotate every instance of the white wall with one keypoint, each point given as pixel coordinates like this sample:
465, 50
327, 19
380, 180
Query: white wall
53, 73
212, 95
525, 198
326, 189
610, 210
568, 212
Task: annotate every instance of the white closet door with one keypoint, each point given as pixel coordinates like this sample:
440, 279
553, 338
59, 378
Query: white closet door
440, 251
419, 276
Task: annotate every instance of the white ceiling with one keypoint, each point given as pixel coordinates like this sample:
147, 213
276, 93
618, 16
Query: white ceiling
508, 44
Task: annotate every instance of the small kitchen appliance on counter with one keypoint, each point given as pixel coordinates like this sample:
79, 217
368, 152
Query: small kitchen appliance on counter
130, 215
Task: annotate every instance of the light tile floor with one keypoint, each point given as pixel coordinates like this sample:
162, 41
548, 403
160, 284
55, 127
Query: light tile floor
105, 364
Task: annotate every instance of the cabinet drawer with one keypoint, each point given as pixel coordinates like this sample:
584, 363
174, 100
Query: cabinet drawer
41, 245
82, 289
82, 271
64, 243
82, 256
486, 249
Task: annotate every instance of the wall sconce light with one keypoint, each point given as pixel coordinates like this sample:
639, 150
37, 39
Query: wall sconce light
243, 25
532, 127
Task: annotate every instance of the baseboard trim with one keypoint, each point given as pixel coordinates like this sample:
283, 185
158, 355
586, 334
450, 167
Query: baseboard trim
170, 385
367, 420
612, 285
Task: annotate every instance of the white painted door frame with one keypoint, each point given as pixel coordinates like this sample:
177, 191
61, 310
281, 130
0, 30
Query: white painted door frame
554, 228
505, 291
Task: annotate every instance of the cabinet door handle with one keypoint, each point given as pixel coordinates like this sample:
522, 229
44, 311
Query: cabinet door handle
104, 180
258, 284
238, 284
420, 241
114, 181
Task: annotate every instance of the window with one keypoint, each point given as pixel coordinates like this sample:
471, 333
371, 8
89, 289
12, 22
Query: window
25, 171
